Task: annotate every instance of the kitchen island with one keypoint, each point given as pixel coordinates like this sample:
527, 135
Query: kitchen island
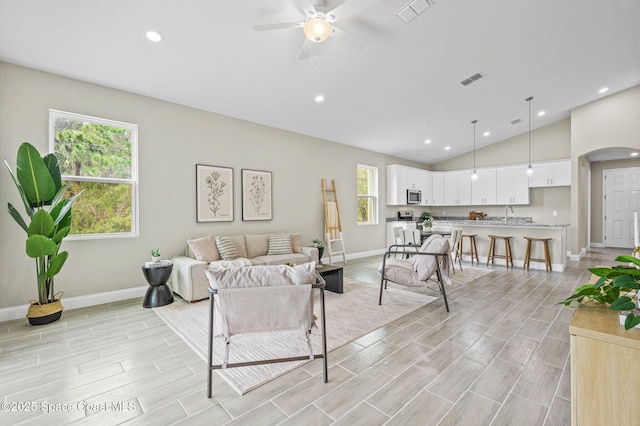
518, 230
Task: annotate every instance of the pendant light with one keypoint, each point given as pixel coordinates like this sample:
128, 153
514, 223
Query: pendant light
474, 175
529, 169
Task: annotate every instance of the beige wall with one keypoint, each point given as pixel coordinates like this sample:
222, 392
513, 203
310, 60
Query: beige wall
550, 142
597, 194
172, 140
610, 122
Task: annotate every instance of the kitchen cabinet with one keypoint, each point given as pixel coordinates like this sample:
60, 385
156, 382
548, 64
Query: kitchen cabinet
484, 190
426, 186
437, 188
396, 185
457, 188
512, 185
556, 173
400, 178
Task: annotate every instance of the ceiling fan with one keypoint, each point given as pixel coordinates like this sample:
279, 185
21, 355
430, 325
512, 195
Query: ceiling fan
319, 25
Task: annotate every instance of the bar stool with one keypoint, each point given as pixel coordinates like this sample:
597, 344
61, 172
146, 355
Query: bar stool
547, 255
473, 250
508, 256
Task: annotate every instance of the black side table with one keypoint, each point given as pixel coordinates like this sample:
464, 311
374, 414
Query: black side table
332, 276
158, 293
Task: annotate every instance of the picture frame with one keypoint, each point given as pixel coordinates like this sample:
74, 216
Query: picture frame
214, 193
256, 195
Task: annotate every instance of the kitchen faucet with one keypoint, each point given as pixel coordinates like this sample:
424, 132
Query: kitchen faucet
506, 213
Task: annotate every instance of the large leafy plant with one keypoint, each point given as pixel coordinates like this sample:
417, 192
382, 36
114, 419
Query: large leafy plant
617, 286
40, 186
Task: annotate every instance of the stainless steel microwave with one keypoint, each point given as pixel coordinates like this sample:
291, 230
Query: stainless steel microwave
414, 196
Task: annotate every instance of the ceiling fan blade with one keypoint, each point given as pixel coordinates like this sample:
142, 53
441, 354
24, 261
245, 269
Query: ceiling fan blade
349, 8
278, 26
307, 47
354, 40
308, 7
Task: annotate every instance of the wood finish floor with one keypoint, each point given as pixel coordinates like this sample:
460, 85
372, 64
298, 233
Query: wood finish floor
500, 357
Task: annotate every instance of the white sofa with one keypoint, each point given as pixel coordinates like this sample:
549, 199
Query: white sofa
188, 278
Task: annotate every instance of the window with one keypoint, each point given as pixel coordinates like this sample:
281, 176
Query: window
367, 195
98, 157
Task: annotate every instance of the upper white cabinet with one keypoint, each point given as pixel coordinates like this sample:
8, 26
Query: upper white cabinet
457, 188
426, 185
400, 178
396, 185
484, 189
438, 188
556, 173
512, 185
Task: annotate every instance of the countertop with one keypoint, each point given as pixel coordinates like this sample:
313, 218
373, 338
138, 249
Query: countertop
511, 223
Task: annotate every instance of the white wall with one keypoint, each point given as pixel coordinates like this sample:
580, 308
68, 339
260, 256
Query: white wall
172, 140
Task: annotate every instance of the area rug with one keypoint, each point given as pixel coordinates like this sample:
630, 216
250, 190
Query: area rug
349, 315
468, 273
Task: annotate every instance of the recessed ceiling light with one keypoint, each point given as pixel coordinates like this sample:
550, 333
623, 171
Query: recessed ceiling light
603, 90
541, 113
153, 36
319, 98
486, 133
447, 148
428, 141
635, 154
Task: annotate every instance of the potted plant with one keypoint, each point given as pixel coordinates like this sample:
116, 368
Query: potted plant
320, 245
155, 254
427, 221
617, 286
39, 184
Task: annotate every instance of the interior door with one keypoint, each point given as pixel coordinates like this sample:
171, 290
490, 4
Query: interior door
621, 200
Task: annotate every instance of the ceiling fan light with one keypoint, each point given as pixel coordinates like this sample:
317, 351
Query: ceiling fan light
317, 29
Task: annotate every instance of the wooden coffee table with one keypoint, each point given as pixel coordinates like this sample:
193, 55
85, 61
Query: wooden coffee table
332, 276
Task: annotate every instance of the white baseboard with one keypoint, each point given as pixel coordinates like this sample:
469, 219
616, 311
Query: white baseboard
597, 245
577, 257
17, 312
359, 255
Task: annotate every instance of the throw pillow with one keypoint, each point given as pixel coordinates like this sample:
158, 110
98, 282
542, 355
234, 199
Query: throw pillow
226, 248
204, 248
296, 246
279, 244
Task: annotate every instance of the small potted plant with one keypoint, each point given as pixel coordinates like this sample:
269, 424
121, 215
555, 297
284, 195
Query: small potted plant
427, 221
617, 287
319, 244
155, 255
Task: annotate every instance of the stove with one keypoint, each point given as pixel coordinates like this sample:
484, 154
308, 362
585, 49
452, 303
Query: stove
408, 216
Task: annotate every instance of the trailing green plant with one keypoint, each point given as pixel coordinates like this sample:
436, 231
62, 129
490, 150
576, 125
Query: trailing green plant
617, 286
155, 252
39, 183
318, 243
425, 215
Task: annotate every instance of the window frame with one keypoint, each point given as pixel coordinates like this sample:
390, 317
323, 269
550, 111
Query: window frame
373, 196
54, 114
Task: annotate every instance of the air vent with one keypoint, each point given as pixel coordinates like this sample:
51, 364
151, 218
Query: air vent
467, 81
516, 121
413, 9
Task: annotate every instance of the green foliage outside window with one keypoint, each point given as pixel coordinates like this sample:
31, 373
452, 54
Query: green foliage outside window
96, 159
366, 195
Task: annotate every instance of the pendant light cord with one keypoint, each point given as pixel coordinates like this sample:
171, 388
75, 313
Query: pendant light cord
474, 144
529, 101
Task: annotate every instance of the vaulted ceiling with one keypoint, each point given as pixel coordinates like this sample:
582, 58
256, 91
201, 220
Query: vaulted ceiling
400, 88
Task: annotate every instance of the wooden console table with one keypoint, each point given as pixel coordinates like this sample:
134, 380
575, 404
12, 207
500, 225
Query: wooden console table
604, 368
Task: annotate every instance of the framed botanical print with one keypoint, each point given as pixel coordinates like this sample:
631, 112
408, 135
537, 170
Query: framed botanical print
214, 193
256, 195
